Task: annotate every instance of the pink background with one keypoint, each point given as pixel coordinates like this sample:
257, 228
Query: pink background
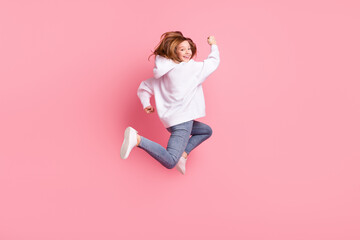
284, 105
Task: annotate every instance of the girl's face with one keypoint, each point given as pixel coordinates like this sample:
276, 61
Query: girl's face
183, 51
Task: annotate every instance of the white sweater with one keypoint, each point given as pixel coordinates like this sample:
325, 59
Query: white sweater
177, 88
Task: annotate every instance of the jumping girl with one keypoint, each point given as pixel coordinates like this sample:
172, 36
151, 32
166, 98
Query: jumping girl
179, 98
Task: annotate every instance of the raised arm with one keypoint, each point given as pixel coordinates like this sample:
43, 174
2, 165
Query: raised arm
212, 61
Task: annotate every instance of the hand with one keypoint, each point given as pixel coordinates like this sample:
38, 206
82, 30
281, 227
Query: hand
149, 109
211, 40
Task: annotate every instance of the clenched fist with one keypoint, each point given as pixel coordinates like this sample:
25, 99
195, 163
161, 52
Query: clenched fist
149, 109
211, 40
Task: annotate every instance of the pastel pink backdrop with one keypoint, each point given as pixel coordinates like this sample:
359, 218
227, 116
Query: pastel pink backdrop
284, 105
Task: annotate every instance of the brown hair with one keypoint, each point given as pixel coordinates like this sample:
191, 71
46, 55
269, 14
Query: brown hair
168, 44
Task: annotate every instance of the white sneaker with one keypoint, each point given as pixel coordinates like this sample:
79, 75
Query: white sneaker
130, 141
180, 166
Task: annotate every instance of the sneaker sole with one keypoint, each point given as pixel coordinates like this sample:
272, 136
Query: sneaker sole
179, 169
125, 149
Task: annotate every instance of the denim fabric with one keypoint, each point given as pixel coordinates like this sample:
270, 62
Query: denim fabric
179, 142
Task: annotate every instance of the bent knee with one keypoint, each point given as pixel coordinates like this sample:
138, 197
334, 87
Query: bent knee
209, 131
170, 165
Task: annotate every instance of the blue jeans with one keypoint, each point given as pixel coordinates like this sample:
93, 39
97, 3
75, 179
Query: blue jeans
179, 142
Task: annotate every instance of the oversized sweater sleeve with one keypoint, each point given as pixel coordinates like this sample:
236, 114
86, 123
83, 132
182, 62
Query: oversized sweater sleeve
211, 63
145, 91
